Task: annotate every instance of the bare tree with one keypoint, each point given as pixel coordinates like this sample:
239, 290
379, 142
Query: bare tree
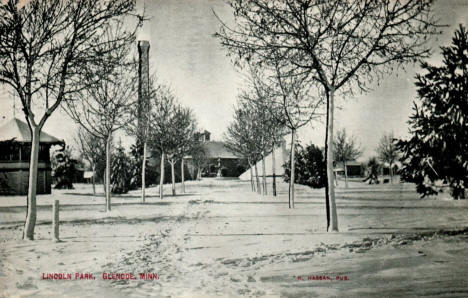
256, 140
388, 152
103, 107
91, 149
162, 112
198, 154
46, 48
345, 44
269, 129
345, 149
289, 99
242, 138
193, 147
181, 135
139, 127
266, 134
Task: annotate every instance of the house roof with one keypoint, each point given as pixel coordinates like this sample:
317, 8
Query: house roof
351, 163
18, 131
215, 149
348, 163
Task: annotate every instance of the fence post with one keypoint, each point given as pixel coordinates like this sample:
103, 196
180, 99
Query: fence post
55, 221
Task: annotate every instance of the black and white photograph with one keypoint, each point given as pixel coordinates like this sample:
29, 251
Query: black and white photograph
233, 148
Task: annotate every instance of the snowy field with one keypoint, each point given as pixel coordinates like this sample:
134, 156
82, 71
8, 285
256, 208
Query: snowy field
220, 239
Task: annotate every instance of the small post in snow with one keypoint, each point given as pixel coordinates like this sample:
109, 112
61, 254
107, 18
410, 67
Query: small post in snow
55, 221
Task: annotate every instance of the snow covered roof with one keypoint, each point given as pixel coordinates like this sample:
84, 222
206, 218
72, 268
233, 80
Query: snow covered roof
215, 149
18, 131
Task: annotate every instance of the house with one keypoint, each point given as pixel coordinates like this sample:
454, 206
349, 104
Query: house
15, 151
219, 160
354, 169
222, 162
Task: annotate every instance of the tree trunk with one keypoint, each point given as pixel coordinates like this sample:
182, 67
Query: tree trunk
94, 179
293, 168
331, 185
252, 184
104, 183
264, 183
31, 213
273, 169
108, 172
327, 197
143, 174
182, 176
161, 178
172, 162
345, 174
391, 174
199, 173
257, 180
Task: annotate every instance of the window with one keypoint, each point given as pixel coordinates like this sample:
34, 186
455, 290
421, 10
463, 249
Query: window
9, 151
25, 152
44, 153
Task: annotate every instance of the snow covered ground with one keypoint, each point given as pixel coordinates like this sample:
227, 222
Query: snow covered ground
220, 239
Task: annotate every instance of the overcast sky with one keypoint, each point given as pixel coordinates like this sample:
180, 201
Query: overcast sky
184, 55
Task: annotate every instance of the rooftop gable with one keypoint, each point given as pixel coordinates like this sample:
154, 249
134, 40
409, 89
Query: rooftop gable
17, 130
215, 149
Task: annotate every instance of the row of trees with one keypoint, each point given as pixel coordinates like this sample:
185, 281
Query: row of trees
78, 56
270, 106
436, 151
253, 134
169, 132
326, 49
50, 51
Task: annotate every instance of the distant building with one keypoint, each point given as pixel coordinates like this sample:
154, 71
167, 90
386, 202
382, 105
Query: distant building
354, 169
15, 152
220, 161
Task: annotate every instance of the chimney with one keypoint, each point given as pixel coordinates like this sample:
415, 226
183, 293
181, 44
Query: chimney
143, 80
207, 136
